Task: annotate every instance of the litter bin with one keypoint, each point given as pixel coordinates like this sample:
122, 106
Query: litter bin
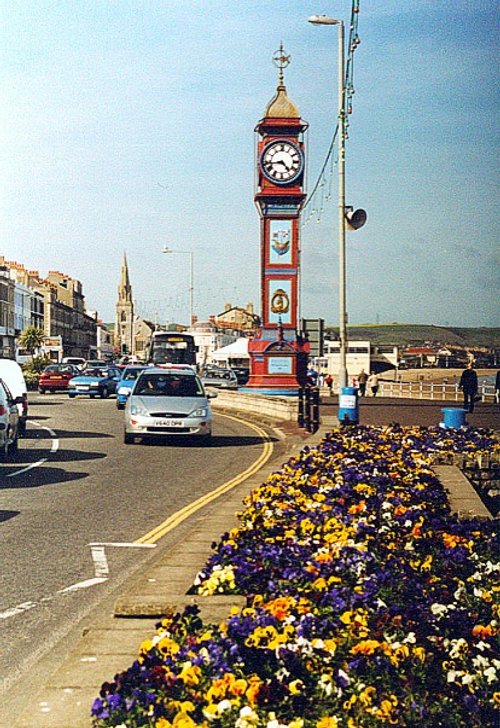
453, 417
348, 406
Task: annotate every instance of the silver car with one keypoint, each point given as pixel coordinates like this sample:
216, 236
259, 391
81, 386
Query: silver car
9, 421
219, 377
168, 401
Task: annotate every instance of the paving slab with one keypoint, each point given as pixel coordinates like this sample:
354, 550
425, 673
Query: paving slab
67, 708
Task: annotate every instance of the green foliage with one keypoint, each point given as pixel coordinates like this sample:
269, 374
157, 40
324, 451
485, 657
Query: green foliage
31, 338
36, 366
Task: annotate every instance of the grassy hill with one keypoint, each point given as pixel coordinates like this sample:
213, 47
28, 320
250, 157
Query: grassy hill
414, 334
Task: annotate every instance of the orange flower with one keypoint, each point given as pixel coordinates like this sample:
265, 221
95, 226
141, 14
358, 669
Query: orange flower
365, 647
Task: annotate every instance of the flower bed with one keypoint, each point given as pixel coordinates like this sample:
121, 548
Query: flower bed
368, 603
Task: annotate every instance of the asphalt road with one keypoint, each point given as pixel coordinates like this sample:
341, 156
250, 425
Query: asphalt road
74, 483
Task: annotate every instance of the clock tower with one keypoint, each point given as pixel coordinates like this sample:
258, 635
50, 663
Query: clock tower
278, 356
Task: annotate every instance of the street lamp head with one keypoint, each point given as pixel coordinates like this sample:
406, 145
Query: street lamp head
166, 249
323, 20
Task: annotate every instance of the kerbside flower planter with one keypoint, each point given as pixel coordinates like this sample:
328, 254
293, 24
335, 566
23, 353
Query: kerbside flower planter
368, 603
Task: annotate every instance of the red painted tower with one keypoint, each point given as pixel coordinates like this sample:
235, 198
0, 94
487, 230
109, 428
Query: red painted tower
278, 356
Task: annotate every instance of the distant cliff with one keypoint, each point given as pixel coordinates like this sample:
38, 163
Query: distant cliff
413, 334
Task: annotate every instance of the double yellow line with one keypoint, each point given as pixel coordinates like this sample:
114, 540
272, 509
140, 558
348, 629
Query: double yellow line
177, 518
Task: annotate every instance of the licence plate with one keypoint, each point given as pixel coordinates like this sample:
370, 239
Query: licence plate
55, 378
169, 423
83, 389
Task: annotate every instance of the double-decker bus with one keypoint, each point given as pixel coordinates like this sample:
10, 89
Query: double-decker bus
171, 347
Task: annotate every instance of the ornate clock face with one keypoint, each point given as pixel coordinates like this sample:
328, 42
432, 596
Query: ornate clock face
281, 161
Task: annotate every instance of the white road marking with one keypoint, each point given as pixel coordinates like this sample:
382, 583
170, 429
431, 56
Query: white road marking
83, 584
17, 610
101, 567
54, 448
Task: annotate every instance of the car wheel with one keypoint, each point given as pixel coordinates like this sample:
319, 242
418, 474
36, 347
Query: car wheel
22, 427
71, 396
14, 446
104, 393
41, 391
4, 449
128, 439
119, 405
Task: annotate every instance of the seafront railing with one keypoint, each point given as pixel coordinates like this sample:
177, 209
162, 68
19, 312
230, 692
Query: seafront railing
431, 390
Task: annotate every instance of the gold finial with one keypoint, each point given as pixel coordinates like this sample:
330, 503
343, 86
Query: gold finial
281, 61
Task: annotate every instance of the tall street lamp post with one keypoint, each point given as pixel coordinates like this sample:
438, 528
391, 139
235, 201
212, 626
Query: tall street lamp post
325, 20
166, 249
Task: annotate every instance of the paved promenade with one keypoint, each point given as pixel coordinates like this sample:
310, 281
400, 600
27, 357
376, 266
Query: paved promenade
108, 642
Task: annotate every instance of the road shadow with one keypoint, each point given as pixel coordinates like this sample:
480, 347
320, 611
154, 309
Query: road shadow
63, 434
25, 457
36, 478
7, 515
215, 441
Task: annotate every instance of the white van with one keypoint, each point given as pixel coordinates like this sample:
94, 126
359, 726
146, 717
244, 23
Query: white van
13, 376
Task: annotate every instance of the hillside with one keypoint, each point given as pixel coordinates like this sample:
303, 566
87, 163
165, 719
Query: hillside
413, 334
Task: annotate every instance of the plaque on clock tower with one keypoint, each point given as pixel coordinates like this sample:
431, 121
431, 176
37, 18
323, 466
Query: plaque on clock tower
278, 357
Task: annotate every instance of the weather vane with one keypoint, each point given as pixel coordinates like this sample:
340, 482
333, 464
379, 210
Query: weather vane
281, 60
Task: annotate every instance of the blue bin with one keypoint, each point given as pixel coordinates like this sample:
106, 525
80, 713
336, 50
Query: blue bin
349, 406
453, 417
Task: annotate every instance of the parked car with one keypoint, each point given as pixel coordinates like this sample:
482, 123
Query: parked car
219, 377
56, 377
128, 377
96, 382
77, 361
242, 374
12, 375
94, 363
9, 421
168, 402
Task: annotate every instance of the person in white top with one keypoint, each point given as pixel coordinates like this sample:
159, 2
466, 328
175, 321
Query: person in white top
372, 384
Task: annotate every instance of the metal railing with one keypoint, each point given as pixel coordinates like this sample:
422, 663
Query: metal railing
432, 390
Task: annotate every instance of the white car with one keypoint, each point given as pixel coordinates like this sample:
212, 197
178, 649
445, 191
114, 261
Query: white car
168, 402
12, 374
9, 421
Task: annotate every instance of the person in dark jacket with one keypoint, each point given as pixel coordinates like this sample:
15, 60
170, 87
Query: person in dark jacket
468, 385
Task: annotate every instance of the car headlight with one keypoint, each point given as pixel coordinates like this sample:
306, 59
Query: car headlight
138, 409
94, 384
200, 412
124, 390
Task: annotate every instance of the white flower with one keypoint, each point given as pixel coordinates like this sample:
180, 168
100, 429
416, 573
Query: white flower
410, 638
490, 674
438, 609
224, 705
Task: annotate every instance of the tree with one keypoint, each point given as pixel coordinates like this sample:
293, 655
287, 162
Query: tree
31, 339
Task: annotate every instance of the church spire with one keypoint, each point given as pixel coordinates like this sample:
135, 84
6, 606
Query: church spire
124, 288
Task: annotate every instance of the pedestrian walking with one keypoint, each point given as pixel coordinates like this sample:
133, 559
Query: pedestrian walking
372, 383
497, 387
362, 379
329, 383
468, 384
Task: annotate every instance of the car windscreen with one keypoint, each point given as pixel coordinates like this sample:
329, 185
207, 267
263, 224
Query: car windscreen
168, 385
100, 373
131, 374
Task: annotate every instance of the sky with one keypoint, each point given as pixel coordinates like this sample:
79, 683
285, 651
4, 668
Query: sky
128, 126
